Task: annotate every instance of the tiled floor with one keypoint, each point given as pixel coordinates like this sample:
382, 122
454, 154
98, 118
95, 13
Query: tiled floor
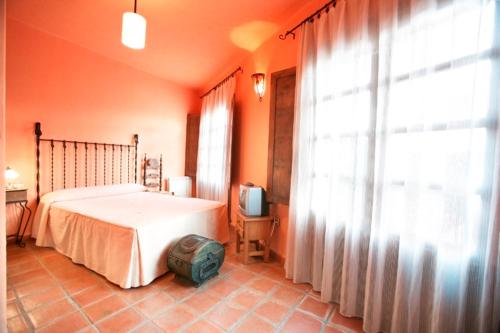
48, 293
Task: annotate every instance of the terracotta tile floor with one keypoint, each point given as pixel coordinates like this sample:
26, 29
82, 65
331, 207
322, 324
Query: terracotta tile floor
48, 293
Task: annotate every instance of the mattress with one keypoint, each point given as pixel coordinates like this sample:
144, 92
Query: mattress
122, 232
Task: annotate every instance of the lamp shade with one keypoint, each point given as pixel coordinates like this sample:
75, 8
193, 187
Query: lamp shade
10, 174
133, 30
259, 84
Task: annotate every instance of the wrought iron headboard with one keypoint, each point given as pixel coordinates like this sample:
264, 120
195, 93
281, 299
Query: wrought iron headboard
98, 160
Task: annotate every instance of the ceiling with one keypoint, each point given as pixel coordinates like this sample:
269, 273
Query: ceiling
188, 41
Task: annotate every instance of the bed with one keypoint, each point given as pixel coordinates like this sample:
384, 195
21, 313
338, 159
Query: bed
120, 231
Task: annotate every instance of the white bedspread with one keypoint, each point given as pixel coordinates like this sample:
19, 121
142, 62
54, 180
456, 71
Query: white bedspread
122, 232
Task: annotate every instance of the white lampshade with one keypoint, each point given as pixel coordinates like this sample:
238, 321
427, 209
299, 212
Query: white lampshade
134, 30
10, 174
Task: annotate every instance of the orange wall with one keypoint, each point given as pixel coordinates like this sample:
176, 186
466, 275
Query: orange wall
81, 95
250, 141
3, 266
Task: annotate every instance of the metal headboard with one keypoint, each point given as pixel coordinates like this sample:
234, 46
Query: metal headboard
108, 149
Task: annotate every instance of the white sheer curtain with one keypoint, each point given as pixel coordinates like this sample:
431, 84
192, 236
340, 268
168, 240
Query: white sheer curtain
214, 146
394, 208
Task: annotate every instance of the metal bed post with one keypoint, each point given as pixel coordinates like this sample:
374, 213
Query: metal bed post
64, 164
161, 171
136, 141
104, 153
121, 161
52, 165
76, 163
145, 162
38, 133
128, 164
86, 163
95, 163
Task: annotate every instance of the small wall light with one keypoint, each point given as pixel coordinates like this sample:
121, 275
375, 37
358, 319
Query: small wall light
134, 29
10, 176
259, 84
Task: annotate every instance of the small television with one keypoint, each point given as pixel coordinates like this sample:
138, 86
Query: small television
252, 200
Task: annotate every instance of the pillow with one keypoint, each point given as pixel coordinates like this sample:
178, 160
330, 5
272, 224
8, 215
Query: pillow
91, 192
41, 215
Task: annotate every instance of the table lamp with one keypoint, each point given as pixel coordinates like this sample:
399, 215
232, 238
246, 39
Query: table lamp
10, 176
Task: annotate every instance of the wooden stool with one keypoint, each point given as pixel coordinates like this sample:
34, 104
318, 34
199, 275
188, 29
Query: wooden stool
250, 229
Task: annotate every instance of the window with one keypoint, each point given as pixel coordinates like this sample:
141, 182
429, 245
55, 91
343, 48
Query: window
409, 116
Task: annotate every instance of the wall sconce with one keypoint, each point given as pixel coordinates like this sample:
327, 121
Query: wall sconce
10, 176
134, 29
259, 84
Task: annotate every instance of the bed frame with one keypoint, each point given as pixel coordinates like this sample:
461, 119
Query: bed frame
100, 158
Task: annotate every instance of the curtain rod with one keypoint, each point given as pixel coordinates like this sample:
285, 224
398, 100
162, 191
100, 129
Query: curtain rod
310, 18
239, 69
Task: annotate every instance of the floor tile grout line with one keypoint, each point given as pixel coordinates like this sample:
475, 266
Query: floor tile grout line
223, 299
27, 319
129, 306
181, 301
157, 315
204, 315
144, 323
324, 321
241, 319
80, 309
296, 307
68, 296
266, 273
266, 298
23, 313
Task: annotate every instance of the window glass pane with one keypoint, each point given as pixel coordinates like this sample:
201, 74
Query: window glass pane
455, 158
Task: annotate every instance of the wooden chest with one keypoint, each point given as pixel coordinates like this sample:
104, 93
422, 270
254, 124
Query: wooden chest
196, 258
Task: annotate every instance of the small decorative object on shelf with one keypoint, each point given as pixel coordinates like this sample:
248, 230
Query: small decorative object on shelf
152, 173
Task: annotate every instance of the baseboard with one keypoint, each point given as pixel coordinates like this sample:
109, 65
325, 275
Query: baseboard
275, 256
12, 239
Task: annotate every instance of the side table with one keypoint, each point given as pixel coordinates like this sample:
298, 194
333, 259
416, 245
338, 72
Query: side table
19, 197
249, 229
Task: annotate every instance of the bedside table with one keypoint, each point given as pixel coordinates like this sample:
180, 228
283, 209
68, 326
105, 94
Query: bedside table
19, 197
250, 229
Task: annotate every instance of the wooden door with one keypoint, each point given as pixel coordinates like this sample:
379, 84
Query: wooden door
281, 136
192, 134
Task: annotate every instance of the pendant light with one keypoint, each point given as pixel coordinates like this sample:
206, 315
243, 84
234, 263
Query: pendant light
134, 29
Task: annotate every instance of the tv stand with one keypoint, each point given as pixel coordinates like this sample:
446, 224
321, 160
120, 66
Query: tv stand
250, 229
